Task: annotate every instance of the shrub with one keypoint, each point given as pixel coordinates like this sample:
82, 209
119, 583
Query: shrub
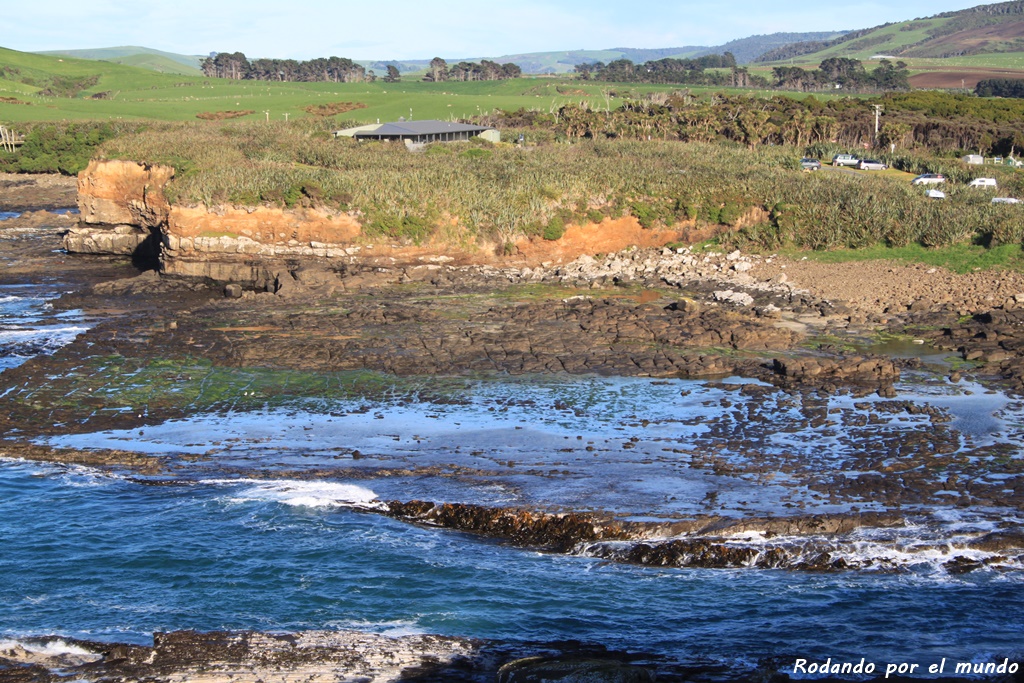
292, 195
244, 198
730, 213
408, 228
647, 215
58, 148
712, 213
554, 229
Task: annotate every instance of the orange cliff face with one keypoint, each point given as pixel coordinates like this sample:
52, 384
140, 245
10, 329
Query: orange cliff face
115, 193
123, 193
124, 211
265, 225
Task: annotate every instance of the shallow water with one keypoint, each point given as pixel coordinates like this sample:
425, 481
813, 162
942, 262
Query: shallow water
633, 447
29, 326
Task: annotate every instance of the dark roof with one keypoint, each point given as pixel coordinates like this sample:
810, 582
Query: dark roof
406, 128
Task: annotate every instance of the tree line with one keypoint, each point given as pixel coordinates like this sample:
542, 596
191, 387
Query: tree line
845, 74
668, 70
721, 70
1000, 87
236, 66
485, 70
940, 122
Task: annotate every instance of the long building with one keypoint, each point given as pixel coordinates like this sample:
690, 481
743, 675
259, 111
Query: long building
421, 132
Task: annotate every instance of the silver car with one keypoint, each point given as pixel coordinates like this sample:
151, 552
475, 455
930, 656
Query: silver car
928, 179
871, 165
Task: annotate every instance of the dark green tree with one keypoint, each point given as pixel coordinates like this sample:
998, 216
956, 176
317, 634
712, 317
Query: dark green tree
438, 70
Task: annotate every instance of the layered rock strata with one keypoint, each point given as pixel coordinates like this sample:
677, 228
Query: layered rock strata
124, 211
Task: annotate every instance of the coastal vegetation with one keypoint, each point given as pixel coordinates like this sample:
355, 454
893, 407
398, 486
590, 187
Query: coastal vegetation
59, 148
938, 123
500, 194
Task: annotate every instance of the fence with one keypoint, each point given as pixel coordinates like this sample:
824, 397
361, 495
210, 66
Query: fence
8, 140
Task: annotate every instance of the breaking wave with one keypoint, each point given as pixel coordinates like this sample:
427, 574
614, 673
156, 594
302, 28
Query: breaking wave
309, 494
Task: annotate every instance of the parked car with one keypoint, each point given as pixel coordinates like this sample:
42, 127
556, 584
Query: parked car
1005, 200
983, 182
871, 165
844, 160
809, 164
935, 194
928, 179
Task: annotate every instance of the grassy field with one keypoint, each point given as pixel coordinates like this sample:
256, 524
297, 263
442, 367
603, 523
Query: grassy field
137, 94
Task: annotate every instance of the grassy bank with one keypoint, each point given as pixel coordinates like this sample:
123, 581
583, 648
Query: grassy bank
465, 193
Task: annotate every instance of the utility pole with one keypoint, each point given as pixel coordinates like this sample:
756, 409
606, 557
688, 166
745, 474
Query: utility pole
878, 112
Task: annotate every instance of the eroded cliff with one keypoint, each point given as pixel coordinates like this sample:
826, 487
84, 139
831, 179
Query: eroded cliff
125, 211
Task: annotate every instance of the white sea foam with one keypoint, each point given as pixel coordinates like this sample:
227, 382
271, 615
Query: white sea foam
20, 335
53, 648
392, 629
311, 494
924, 546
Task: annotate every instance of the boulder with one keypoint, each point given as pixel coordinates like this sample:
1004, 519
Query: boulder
737, 298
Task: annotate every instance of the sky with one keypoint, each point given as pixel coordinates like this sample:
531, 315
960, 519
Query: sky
417, 29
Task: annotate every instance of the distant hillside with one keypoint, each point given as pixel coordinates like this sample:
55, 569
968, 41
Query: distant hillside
29, 73
986, 29
143, 57
746, 50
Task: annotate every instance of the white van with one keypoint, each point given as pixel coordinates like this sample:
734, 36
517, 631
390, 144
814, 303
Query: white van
983, 182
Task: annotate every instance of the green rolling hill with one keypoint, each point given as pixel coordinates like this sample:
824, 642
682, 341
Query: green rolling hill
984, 30
30, 73
144, 57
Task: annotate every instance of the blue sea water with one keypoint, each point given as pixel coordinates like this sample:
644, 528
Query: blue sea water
109, 557
99, 556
